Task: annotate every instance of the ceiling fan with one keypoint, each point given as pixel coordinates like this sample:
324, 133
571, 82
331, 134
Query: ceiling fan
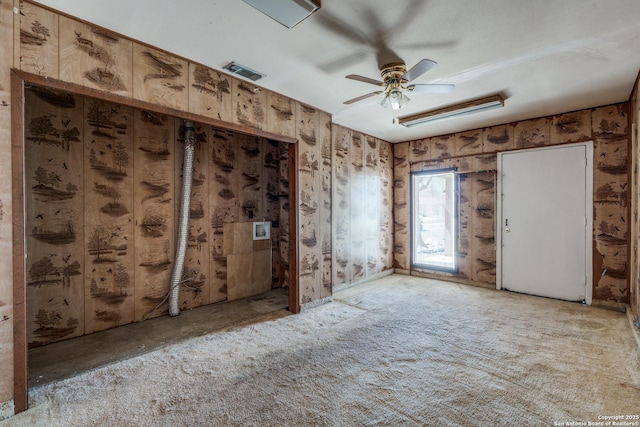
396, 81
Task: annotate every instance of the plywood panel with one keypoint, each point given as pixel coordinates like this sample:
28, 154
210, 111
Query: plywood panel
420, 150
498, 138
108, 214
357, 211
93, 57
223, 205
54, 220
249, 274
341, 197
483, 235
611, 232
281, 117
154, 211
249, 104
250, 180
38, 40
442, 147
532, 133
468, 143
570, 127
160, 78
6, 244
283, 184
325, 229
372, 209
309, 160
195, 291
271, 201
386, 219
401, 205
465, 215
209, 93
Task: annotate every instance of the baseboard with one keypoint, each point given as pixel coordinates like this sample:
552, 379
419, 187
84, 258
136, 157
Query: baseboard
453, 279
343, 286
609, 305
309, 305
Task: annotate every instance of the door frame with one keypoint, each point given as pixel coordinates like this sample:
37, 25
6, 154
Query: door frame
588, 212
18, 81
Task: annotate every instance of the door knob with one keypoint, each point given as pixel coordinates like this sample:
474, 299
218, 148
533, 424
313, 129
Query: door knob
507, 229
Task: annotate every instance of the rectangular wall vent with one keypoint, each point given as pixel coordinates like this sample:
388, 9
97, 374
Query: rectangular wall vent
243, 71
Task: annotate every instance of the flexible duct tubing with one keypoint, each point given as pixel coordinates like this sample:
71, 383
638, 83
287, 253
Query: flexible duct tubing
183, 230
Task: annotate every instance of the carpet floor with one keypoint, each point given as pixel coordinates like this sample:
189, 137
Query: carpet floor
397, 351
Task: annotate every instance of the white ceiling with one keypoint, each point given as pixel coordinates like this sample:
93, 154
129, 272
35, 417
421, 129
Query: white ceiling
545, 56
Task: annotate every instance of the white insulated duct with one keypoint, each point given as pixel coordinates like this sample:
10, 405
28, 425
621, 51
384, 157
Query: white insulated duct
183, 230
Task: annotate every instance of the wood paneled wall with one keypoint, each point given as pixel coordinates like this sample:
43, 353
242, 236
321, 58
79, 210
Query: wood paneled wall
6, 206
42, 42
362, 200
473, 153
102, 209
634, 279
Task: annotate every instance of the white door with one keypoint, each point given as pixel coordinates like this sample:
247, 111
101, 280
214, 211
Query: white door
544, 228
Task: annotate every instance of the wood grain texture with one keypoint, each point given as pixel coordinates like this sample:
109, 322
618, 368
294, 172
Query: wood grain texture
270, 193
611, 230
325, 205
420, 150
195, 290
6, 207
249, 274
210, 93
250, 179
37, 40
309, 193
532, 133
283, 202
54, 216
386, 219
570, 127
341, 201
154, 211
93, 57
634, 281
401, 205
442, 147
372, 209
160, 78
19, 321
249, 103
357, 206
468, 143
108, 214
223, 205
498, 138
281, 114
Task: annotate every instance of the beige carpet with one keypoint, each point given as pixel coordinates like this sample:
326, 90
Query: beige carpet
393, 352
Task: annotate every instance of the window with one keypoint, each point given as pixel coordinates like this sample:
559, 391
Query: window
434, 220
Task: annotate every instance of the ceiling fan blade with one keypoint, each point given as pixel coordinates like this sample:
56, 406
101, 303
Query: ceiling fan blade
432, 88
360, 98
419, 69
364, 79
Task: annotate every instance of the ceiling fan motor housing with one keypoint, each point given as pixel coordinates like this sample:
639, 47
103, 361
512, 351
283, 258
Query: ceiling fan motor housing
392, 73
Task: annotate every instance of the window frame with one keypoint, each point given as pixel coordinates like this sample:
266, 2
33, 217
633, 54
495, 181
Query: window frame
455, 216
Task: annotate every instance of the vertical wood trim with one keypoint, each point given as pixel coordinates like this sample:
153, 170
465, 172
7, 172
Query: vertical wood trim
294, 280
628, 109
19, 269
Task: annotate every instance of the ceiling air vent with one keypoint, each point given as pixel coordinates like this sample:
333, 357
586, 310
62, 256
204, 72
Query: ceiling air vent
243, 71
287, 12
